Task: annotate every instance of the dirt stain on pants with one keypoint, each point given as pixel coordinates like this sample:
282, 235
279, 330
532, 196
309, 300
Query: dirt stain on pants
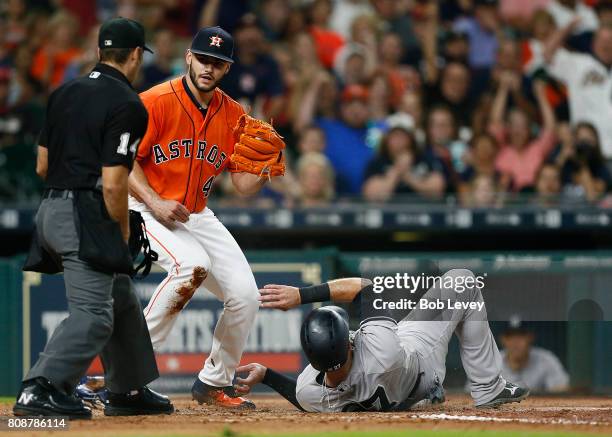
185, 290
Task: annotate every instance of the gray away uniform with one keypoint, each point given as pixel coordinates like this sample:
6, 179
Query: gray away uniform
543, 371
388, 358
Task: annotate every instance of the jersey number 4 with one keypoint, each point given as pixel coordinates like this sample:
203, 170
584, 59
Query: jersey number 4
208, 185
369, 404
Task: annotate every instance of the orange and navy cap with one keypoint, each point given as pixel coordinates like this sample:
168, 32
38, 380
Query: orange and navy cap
215, 42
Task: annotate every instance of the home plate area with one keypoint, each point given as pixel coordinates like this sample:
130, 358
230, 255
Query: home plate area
275, 416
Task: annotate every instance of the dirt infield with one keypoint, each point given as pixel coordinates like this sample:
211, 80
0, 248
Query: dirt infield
585, 415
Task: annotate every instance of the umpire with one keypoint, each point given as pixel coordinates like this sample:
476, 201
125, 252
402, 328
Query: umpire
86, 150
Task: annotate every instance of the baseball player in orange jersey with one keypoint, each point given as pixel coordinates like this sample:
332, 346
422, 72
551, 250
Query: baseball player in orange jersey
196, 131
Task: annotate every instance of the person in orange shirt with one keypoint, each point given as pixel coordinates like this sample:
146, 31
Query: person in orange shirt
326, 40
189, 142
50, 61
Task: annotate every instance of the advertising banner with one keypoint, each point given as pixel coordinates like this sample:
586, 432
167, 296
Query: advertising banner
274, 340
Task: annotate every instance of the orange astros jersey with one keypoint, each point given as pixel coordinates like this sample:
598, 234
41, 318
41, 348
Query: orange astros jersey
184, 149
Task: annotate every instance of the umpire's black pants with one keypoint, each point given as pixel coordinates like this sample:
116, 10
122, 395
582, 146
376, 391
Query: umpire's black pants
105, 316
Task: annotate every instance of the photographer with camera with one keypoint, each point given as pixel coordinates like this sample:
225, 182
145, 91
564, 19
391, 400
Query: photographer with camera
584, 173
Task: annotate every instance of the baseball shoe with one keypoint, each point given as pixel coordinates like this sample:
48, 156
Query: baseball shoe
510, 393
91, 389
224, 397
137, 403
39, 398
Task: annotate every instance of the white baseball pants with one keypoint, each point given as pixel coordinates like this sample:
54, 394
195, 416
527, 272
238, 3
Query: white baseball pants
202, 254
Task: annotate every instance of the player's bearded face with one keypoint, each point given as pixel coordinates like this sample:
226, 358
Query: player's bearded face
205, 72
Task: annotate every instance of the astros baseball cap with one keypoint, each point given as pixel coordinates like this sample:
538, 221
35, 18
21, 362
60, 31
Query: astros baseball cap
122, 33
215, 42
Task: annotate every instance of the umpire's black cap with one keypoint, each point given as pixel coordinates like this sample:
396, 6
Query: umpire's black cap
325, 339
122, 33
215, 42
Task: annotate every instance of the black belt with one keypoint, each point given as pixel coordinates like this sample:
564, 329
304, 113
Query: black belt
52, 193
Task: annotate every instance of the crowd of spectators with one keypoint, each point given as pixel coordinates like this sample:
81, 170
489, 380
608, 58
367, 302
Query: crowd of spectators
485, 102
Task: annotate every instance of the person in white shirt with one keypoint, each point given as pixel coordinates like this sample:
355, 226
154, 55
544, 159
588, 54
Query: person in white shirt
345, 12
588, 78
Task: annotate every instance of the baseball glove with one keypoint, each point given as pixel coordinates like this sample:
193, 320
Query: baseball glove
258, 149
139, 242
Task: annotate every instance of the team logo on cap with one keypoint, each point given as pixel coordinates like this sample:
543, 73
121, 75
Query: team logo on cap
216, 41
108, 42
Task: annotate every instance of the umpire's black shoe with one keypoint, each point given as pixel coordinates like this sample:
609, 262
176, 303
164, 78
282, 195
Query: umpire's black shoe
140, 402
39, 398
510, 393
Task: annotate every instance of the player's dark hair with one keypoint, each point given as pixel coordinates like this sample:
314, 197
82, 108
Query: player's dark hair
116, 56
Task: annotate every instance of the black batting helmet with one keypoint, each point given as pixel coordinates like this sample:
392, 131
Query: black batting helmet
340, 311
325, 339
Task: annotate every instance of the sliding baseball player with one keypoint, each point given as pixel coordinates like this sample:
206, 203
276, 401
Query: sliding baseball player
385, 365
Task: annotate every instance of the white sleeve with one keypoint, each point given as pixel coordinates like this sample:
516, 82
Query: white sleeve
564, 65
588, 19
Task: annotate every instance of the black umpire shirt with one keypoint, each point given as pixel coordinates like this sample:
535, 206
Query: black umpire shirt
92, 122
